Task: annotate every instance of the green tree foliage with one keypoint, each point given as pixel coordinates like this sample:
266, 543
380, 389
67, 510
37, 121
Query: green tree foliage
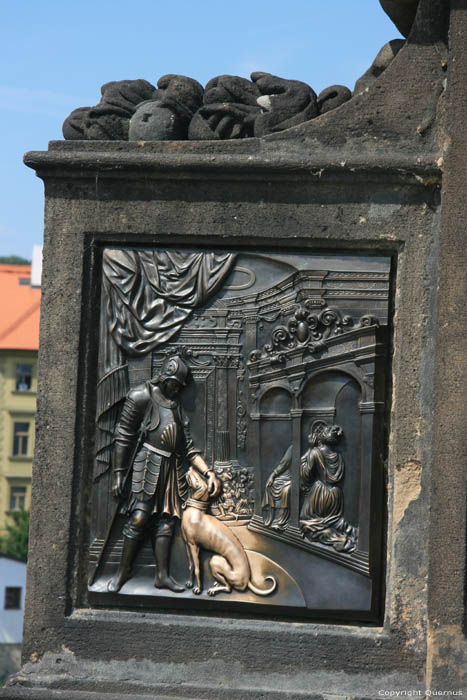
15, 543
13, 260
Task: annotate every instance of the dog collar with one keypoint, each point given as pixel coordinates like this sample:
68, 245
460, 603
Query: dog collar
200, 505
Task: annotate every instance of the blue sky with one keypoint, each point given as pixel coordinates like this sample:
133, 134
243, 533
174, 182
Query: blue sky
56, 55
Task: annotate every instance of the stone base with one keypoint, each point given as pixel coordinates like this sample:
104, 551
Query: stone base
210, 680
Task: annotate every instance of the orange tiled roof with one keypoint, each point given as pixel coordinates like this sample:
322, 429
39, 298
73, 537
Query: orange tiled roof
19, 309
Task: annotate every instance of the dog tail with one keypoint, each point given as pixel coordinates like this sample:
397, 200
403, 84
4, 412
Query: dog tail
264, 591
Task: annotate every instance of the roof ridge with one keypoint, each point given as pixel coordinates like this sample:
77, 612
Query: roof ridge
9, 268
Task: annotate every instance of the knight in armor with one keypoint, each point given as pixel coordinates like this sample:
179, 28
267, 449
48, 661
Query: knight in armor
152, 419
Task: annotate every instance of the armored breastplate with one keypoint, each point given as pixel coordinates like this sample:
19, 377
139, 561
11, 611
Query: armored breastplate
167, 434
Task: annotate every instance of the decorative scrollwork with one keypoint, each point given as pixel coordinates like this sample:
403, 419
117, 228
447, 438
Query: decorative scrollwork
305, 330
255, 356
367, 321
281, 337
277, 358
327, 323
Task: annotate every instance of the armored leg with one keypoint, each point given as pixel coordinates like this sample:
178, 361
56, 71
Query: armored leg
133, 532
162, 541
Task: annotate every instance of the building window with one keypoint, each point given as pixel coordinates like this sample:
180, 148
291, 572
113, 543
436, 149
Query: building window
23, 377
17, 497
20, 439
13, 597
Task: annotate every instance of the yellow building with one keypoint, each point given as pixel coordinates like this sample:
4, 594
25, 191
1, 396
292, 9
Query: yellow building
19, 342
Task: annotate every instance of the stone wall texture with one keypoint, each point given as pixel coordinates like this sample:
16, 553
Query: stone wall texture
384, 173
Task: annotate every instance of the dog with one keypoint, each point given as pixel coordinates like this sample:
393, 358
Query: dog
229, 563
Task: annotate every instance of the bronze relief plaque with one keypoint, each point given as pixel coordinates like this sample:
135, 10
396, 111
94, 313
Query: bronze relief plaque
240, 432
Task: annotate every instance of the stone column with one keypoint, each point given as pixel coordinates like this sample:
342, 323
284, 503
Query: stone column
222, 445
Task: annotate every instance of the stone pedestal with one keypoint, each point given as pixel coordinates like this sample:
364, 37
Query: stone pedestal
383, 175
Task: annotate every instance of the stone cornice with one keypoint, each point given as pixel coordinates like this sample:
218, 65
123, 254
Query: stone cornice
119, 159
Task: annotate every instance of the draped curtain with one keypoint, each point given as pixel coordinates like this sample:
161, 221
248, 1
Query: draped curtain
151, 293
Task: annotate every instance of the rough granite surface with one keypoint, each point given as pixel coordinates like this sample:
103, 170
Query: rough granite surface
383, 173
